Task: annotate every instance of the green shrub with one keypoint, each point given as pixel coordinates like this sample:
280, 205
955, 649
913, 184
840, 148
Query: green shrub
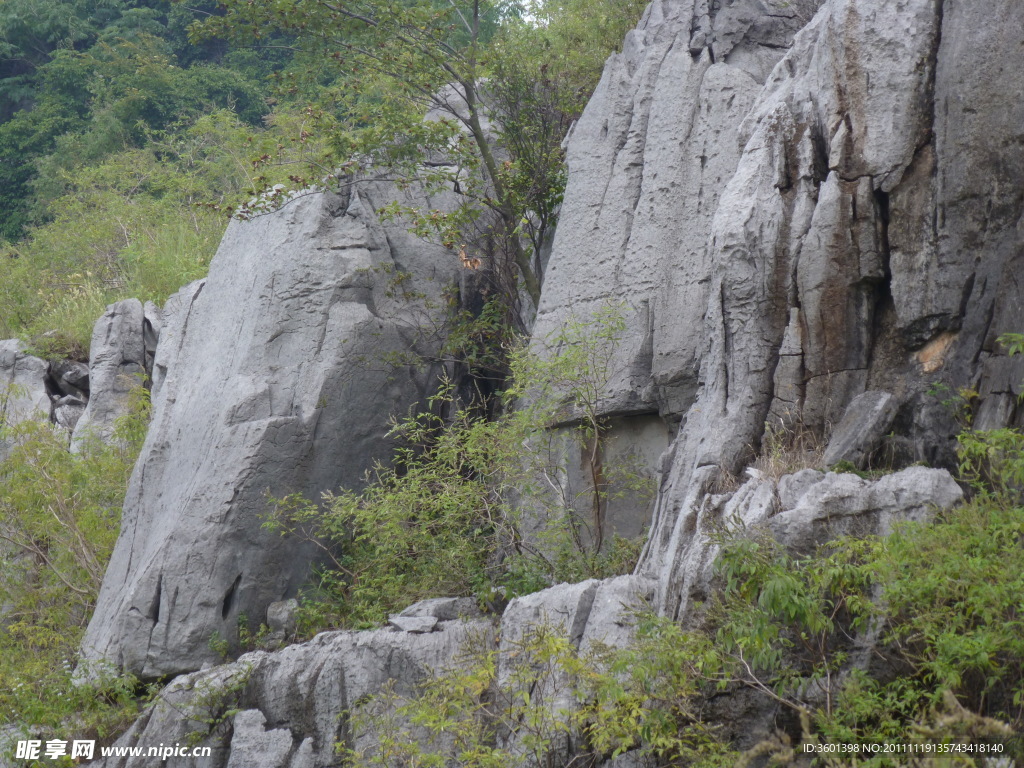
447, 516
59, 519
556, 706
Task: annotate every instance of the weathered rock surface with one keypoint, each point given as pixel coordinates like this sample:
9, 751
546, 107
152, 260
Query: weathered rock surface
286, 704
445, 608
273, 376
23, 392
867, 419
804, 510
120, 357
292, 704
291, 707
789, 241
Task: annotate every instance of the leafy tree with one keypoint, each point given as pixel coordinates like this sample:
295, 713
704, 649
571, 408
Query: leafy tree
500, 110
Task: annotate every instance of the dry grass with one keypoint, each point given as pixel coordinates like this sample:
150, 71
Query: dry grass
788, 450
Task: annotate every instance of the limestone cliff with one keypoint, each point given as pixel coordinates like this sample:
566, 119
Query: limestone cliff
788, 241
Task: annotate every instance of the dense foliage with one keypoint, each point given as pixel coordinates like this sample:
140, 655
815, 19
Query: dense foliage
156, 118
59, 519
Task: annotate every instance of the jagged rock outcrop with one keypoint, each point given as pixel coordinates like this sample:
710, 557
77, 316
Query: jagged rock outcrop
276, 375
23, 392
290, 708
84, 401
787, 242
806, 509
120, 358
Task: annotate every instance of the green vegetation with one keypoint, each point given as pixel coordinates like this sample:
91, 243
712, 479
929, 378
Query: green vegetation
447, 516
59, 518
137, 223
122, 141
941, 599
557, 706
112, 130
913, 638
504, 92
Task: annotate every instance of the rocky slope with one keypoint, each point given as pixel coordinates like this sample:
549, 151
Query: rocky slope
811, 210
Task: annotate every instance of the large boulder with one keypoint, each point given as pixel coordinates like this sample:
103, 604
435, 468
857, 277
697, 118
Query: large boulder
23, 388
276, 375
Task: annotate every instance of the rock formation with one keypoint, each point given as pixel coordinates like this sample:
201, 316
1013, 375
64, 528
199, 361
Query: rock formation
23, 392
276, 375
291, 706
786, 242
120, 358
812, 210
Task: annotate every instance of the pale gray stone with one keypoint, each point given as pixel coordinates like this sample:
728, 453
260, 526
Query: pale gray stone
282, 619
252, 743
793, 487
793, 219
173, 324
845, 504
445, 608
287, 704
117, 365
414, 624
304, 755
616, 604
826, 271
23, 393
67, 412
866, 421
273, 378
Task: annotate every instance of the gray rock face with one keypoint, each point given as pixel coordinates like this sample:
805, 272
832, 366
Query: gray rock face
800, 203
867, 419
648, 161
272, 376
118, 355
845, 504
586, 613
291, 707
789, 241
801, 511
414, 624
290, 704
23, 393
445, 608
